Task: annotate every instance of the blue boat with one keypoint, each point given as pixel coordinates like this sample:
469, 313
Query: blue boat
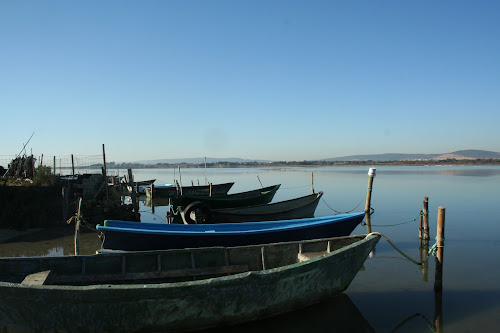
136, 236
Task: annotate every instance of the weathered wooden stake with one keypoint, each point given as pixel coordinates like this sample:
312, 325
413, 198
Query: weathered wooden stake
438, 280
180, 179
312, 182
425, 212
77, 228
210, 193
72, 165
105, 170
371, 175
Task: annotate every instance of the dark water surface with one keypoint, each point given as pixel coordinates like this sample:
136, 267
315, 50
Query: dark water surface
391, 293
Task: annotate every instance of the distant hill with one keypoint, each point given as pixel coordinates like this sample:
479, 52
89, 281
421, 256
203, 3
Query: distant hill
458, 155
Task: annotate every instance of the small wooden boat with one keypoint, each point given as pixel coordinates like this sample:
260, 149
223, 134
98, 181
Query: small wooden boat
203, 190
249, 198
199, 212
136, 236
175, 290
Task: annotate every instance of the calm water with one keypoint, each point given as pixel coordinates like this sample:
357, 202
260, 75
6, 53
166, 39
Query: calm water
391, 293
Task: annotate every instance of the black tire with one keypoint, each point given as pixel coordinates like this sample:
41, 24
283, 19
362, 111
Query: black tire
202, 211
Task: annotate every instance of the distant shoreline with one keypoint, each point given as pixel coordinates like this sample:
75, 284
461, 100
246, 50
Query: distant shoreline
448, 162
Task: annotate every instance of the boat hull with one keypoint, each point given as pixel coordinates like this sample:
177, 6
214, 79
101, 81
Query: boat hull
185, 306
284, 210
133, 236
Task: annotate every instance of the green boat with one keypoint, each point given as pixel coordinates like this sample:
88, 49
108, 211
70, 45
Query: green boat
241, 199
175, 290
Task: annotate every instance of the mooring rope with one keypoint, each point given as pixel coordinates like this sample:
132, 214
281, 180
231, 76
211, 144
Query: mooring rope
392, 225
83, 222
339, 212
419, 263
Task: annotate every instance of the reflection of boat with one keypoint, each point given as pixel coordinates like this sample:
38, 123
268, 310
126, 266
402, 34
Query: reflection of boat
141, 185
133, 236
335, 314
170, 290
199, 212
241, 199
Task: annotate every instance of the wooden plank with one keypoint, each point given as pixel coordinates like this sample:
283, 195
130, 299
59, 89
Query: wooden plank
189, 272
36, 279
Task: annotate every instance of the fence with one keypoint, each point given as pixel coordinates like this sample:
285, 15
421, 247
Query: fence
64, 165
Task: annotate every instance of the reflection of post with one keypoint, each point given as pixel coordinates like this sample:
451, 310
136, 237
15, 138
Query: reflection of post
371, 175
438, 311
133, 194
425, 265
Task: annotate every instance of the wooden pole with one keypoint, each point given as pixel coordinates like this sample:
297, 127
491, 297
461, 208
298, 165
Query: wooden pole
421, 228
180, 179
425, 212
73, 165
210, 193
438, 281
105, 171
77, 228
312, 182
371, 175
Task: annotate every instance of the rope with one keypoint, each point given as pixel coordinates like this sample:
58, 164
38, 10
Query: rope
433, 249
338, 212
392, 225
397, 249
83, 222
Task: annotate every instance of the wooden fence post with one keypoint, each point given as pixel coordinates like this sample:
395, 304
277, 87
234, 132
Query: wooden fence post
371, 175
77, 228
425, 212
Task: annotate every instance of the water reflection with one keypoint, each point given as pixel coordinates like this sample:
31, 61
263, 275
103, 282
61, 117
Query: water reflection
338, 314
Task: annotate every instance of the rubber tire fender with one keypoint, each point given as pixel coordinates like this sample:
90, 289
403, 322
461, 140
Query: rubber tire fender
198, 206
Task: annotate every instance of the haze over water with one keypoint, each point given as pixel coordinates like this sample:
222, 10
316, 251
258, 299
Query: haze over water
391, 288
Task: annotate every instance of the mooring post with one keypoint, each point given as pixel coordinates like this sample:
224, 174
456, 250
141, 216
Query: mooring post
312, 182
438, 281
210, 193
425, 213
72, 165
77, 228
371, 175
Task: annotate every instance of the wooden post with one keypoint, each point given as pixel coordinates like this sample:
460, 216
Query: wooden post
425, 212
180, 179
312, 182
77, 228
105, 171
438, 281
421, 228
72, 165
210, 193
371, 175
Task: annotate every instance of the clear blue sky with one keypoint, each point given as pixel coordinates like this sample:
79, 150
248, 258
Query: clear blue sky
278, 80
